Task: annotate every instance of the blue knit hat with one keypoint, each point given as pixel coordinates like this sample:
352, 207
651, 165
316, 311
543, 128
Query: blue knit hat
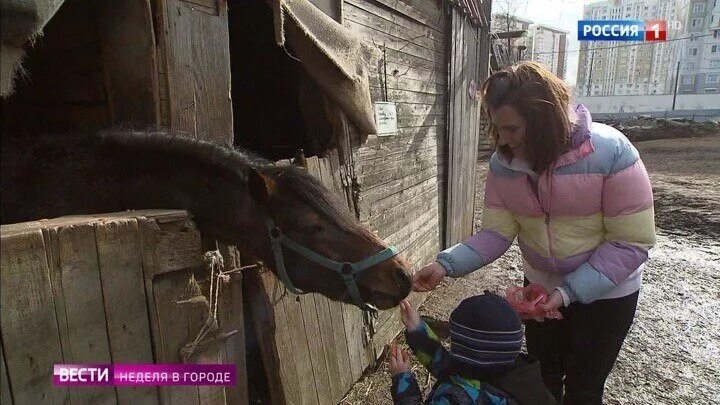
485, 333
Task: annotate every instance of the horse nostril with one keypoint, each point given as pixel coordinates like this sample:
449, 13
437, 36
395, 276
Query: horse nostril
402, 277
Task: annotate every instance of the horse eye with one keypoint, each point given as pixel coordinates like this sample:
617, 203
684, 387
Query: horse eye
313, 229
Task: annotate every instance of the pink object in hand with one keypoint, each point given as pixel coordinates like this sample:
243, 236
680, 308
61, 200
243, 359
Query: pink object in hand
527, 301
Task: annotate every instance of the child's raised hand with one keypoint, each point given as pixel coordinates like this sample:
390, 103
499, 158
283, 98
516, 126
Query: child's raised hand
409, 316
399, 361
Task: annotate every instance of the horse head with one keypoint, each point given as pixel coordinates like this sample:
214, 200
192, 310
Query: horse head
308, 214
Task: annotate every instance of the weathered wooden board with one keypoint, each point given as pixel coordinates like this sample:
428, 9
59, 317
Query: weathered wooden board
196, 51
127, 45
123, 287
409, 10
87, 332
402, 23
277, 342
5, 395
464, 134
30, 336
397, 27
101, 289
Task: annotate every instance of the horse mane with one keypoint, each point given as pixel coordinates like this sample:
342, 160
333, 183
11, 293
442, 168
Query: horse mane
313, 192
290, 178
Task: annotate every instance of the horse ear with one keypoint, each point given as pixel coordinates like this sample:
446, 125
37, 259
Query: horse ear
299, 159
261, 186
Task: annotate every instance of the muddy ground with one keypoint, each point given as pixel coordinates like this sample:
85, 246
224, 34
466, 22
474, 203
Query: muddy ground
672, 354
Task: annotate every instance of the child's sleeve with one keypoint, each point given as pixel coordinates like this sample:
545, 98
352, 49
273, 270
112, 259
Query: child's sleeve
427, 348
405, 389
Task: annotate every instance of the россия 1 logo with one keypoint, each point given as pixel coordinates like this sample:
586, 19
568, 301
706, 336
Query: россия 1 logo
622, 30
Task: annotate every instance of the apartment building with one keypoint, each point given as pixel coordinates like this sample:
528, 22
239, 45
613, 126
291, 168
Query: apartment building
619, 68
549, 47
699, 57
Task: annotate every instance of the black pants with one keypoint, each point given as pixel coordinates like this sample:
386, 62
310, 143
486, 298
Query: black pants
579, 351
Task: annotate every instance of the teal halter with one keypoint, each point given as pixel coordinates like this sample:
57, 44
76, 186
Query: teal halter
348, 271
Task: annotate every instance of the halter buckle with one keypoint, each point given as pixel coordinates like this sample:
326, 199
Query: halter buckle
347, 269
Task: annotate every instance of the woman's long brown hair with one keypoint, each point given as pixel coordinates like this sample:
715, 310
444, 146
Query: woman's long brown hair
542, 99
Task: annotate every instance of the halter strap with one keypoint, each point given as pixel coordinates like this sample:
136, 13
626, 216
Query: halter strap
348, 271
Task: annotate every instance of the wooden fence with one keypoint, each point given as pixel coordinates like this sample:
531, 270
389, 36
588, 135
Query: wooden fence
104, 289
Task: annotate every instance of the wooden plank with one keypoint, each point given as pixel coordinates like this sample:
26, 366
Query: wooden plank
395, 170
426, 236
150, 235
406, 233
379, 164
212, 354
198, 71
402, 67
127, 43
431, 8
425, 157
423, 39
379, 38
174, 329
353, 320
397, 186
276, 340
84, 309
120, 260
55, 271
404, 135
5, 394
230, 318
303, 361
178, 250
332, 357
401, 218
394, 145
379, 207
27, 306
318, 359
412, 12
378, 11
397, 82
406, 96
341, 347
455, 119
402, 60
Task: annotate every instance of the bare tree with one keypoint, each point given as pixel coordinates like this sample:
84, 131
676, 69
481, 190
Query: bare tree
508, 50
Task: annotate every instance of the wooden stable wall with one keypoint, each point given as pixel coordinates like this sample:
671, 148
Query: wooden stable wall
313, 349
103, 289
401, 177
194, 67
468, 63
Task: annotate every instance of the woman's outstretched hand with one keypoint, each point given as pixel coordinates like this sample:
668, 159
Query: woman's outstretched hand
428, 277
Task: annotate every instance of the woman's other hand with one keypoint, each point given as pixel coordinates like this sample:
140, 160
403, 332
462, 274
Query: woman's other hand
428, 277
409, 316
553, 302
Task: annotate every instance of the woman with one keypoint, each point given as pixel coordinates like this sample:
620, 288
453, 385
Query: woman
578, 198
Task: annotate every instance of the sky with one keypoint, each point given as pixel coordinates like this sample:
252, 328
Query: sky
563, 14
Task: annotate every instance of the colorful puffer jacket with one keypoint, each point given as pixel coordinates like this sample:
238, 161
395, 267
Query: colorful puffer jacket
585, 227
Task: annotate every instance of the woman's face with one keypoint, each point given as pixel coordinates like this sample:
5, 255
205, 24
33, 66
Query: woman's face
511, 129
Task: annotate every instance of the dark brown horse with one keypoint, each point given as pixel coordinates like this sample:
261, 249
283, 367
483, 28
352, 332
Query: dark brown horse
230, 193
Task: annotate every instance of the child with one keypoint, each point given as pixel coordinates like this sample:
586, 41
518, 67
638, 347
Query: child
484, 364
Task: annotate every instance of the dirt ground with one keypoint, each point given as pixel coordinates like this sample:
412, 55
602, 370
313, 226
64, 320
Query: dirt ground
672, 354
